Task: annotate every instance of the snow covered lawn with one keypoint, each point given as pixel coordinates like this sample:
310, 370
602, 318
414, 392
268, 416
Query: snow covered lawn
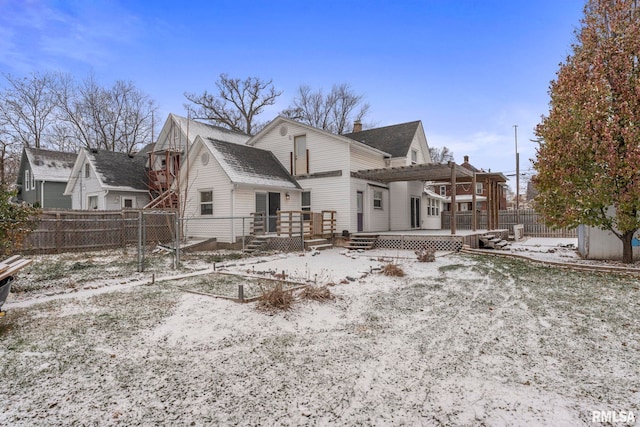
466, 340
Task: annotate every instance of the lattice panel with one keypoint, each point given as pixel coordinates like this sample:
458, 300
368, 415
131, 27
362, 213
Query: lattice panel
284, 244
415, 243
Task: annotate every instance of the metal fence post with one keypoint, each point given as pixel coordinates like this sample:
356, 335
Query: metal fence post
302, 231
140, 244
177, 244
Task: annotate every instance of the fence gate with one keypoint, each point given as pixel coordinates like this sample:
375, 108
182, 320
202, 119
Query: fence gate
158, 229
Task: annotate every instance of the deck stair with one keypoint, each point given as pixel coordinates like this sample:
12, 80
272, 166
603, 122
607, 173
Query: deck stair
362, 241
492, 241
317, 244
256, 244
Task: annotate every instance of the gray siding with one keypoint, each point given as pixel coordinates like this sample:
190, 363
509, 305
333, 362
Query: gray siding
53, 195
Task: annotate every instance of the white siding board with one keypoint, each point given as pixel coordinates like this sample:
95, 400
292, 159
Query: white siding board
325, 153
400, 201
203, 178
363, 159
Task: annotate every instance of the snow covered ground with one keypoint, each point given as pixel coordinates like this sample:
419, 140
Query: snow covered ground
465, 340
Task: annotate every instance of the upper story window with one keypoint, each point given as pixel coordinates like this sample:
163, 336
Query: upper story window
27, 180
206, 202
33, 181
86, 170
443, 190
414, 156
479, 188
300, 156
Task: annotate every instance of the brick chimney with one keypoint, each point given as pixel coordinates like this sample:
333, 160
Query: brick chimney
357, 126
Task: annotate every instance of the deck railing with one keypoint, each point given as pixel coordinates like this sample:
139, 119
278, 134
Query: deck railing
534, 225
293, 223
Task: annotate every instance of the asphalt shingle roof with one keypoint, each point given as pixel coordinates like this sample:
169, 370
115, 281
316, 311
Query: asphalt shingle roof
47, 165
394, 139
250, 165
120, 169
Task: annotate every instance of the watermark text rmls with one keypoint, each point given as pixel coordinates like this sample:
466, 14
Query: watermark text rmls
613, 417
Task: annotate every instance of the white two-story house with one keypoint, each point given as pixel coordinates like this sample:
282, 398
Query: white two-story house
292, 166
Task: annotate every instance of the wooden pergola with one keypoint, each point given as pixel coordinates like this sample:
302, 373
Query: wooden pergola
451, 173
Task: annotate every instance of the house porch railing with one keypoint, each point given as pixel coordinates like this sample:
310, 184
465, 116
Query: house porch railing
295, 223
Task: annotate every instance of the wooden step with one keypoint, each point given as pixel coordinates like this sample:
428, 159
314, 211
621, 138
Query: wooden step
362, 241
318, 244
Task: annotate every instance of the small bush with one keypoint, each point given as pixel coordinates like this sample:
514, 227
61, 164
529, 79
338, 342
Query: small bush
317, 293
275, 299
426, 255
392, 270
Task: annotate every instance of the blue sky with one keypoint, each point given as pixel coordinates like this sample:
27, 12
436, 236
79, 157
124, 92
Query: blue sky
470, 70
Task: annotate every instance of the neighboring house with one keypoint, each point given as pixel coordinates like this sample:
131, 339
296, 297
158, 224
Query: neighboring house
233, 180
325, 165
464, 192
43, 176
106, 180
170, 149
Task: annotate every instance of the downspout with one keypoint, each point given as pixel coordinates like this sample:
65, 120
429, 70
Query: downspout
233, 203
106, 200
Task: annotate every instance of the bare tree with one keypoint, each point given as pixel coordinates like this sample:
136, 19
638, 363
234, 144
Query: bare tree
7, 150
26, 107
115, 119
333, 111
441, 155
236, 104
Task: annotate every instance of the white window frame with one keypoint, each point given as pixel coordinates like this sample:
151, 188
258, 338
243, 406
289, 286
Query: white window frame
203, 203
479, 188
27, 179
443, 190
303, 206
124, 202
33, 181
377, 199
87, 168
414, 156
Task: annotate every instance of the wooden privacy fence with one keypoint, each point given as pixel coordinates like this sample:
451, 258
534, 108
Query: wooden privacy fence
533, 222
72, 231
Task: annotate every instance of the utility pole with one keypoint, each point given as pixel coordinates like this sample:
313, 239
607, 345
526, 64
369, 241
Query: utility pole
515, 128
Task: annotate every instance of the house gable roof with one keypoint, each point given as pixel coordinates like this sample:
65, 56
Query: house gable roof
395, 139
244, 164
193, 129
47, 165
283, 120
119, 169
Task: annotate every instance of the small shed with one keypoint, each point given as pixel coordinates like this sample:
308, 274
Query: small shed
595, 243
